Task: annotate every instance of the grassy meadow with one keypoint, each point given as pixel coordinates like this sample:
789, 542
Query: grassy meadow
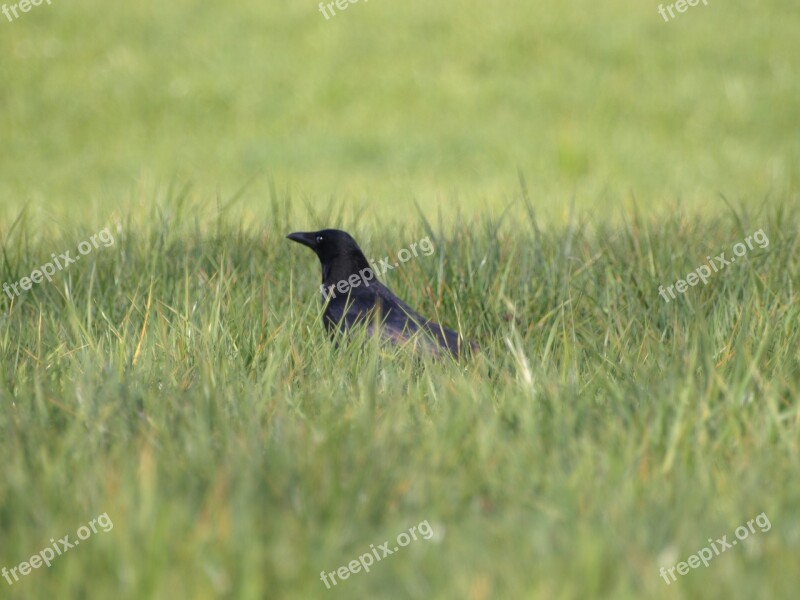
566, 160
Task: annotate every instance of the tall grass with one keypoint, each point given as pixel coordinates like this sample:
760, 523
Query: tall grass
181, 381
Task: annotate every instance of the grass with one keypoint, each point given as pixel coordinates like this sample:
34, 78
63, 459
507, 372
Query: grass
180, 381
396, 101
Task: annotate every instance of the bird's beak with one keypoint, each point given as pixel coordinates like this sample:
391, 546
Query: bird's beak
305, 238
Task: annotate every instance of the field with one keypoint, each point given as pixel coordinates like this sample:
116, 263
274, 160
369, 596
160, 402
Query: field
173, 392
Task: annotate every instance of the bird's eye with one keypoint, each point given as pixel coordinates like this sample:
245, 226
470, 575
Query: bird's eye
319, 239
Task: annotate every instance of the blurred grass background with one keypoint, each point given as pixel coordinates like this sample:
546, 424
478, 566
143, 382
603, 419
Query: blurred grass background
181, 381
391, 101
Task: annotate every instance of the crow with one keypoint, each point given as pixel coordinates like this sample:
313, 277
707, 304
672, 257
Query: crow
354, 296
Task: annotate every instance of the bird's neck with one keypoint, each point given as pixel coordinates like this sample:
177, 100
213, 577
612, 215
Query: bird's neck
342, 267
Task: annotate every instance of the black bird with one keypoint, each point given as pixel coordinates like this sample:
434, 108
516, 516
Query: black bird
354, 296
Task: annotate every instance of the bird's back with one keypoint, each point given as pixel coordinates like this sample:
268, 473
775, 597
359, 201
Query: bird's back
376, 305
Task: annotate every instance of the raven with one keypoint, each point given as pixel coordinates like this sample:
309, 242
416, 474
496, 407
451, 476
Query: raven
354, 296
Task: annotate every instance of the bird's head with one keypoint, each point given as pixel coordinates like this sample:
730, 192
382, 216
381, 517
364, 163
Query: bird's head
337, 251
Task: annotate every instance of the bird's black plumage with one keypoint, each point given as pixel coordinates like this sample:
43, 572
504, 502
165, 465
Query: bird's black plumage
355, 296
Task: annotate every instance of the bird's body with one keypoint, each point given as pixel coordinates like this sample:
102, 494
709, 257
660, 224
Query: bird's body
355, 297
377, 306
